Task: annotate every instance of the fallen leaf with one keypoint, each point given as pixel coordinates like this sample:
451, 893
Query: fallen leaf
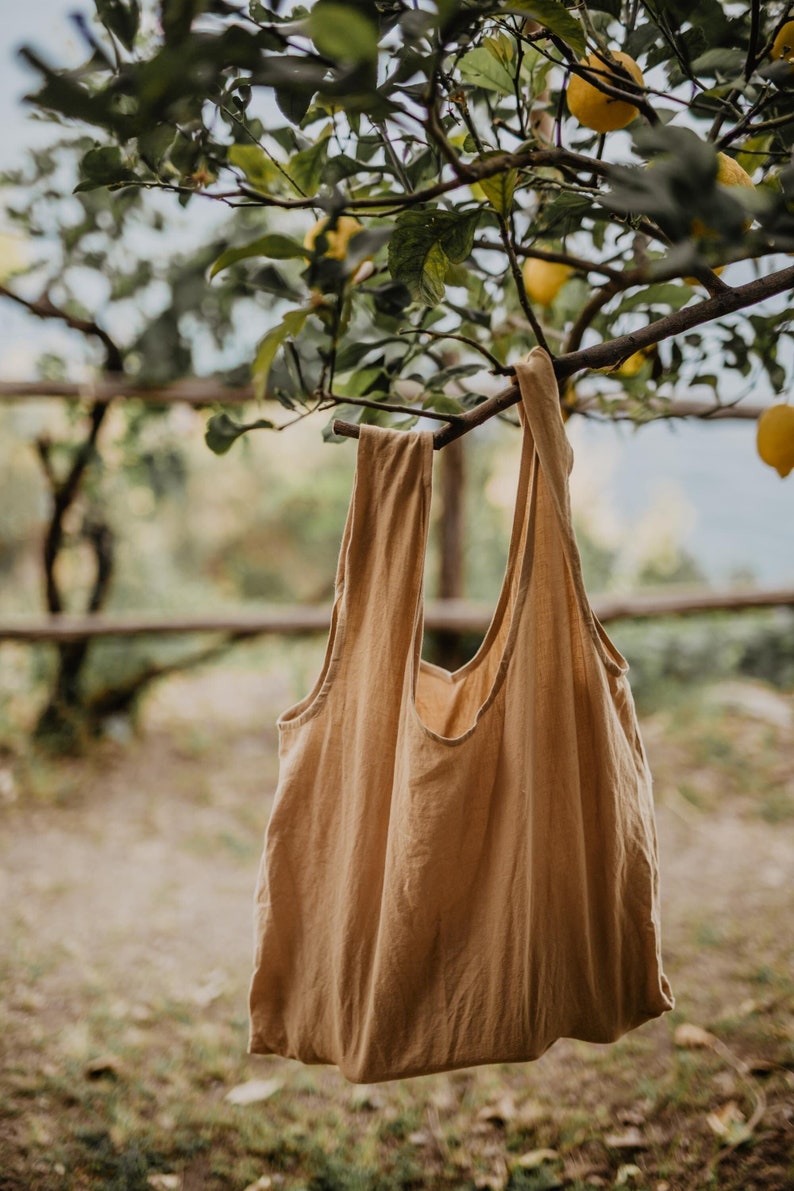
535, 1158
627, 1174
630, 1116
490, 1182
629, 1139
529, 1113
758, 1066
366, 1096
104, 1065
263, 1184
254, 1090
692, 1037
500, 1112
165, 1182
723, 1121
579, 1170
444, 1099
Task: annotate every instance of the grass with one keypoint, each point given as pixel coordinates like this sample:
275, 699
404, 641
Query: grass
124, 965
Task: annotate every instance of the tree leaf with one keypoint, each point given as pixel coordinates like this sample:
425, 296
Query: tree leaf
422, 246
499, 190
342, 32
306, 168
274, 246
290, 325
483, 69
103, 166
222, 431
293, 104
555, 17
121, 17
255, 164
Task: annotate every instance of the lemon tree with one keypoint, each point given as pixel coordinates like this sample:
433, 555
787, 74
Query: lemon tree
423, 192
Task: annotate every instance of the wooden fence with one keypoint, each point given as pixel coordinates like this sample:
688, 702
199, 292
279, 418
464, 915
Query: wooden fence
448, 616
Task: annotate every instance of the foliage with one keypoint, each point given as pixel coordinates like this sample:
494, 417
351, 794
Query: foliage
443, 129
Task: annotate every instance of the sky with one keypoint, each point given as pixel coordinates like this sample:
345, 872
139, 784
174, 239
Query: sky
701, 484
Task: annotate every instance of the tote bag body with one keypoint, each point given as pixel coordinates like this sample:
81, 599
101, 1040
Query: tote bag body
459, 868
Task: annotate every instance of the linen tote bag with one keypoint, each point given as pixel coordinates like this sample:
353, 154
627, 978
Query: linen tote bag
459, 868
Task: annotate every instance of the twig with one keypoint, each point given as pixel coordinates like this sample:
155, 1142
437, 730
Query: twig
44, 308
496, 366
518, 280
391, 407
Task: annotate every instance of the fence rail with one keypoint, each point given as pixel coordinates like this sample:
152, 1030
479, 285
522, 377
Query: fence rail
451, 616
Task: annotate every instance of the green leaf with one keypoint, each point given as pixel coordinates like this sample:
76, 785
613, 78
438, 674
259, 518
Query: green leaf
342, 33
290, 325
423, 245
121, 17
482, 69
555, 17
255, 164
720, 60
306, 168
274, 246
293, 104
222, 431
500, 189
670, 294
103, 167
176, 18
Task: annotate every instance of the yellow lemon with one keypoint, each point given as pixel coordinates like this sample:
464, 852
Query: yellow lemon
717, 269
729, 173
543, 280
775, 438
783, 45
337, 239
632, 365
592, 107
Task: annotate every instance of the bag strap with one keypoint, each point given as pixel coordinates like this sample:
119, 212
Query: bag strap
381, 564
541, 414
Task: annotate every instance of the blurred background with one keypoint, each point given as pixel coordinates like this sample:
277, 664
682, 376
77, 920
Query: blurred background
131, 843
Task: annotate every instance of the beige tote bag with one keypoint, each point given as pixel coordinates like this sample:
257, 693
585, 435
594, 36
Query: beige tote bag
458, 868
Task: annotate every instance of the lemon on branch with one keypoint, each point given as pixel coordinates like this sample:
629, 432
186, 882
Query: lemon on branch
729, 173
635, 362
543, 280
775, 438
336, 239
783, 45
593, 108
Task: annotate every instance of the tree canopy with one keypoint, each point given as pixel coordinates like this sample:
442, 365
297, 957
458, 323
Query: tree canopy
421, 192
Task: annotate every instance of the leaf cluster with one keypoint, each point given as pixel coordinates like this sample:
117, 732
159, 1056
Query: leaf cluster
443, 130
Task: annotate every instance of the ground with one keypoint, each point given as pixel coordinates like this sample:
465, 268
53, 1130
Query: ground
127, 879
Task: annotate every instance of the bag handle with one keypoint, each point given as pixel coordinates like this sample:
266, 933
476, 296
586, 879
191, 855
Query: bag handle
541, 414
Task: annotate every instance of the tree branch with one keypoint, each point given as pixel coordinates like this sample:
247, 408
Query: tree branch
603, 355
44, 308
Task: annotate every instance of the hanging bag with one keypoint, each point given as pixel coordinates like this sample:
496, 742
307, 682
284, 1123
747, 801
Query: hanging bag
459, 868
